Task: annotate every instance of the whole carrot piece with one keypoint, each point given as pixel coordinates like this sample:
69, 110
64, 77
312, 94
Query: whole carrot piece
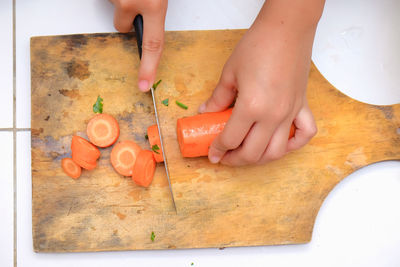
196, 133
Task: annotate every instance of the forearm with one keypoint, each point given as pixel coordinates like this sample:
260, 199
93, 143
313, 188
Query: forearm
298, 14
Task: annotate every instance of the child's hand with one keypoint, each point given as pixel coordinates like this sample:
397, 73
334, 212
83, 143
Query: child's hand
153, 12
268, 73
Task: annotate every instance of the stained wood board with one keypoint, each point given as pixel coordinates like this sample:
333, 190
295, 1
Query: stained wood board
218, 206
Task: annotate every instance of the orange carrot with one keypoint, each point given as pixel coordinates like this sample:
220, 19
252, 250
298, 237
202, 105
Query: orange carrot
70, 168
84, 148
123, 157
103, 130
144, 168
88, 165
155, 143
196, 133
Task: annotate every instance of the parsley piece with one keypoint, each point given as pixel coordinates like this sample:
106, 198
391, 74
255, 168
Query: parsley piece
165, 102
155, 148
98, 106
152, 236
156, 84
181, 104
147, 137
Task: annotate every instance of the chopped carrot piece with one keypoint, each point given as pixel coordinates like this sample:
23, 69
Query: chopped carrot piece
88, 165
154, 139
144, 168
70, 168
103, 130
123, 157
84, 148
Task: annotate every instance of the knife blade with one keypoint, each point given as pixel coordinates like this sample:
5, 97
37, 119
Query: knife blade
138, 25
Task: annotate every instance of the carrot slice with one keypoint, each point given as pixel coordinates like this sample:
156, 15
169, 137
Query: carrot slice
144, 168
88, 165
84, 148
70, 168
123, 157
196, 133
103, 130
154, 139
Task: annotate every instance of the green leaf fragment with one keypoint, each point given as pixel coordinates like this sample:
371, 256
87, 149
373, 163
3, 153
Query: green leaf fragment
147, 137
155, 148
165, 102
98, 106
181, 104
192, 264
156, 84
152, 236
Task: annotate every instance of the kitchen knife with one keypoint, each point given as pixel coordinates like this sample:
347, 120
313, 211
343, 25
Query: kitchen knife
138, 25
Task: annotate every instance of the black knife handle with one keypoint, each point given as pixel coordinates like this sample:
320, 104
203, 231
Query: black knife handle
138, 25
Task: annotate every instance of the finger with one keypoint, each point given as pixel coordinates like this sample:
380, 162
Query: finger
123, 19
153, 41
305, 129
277, 146
252, 148
232, 136
222, 96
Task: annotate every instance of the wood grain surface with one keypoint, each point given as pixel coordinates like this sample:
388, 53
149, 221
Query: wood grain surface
218, 206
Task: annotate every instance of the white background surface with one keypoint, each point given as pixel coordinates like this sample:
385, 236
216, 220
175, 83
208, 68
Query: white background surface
356, 48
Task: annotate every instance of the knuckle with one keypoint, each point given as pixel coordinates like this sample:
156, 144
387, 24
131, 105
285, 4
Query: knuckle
227, 143
254, 106
249, 158
152, 45
154, 5
312, 130
125, 5
274, 155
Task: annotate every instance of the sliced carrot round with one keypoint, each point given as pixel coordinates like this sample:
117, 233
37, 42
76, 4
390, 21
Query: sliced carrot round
154, 139
88, 165
144, 168
123, 157
70, 168
84, 148
103, 130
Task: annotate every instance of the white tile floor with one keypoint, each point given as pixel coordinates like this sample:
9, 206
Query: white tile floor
6, 66
6, 199
356, 226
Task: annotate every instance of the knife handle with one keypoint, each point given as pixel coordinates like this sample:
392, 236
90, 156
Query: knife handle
138, 25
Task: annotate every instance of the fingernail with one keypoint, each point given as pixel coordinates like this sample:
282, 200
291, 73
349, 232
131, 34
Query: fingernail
214, 159
202, 108
143, 85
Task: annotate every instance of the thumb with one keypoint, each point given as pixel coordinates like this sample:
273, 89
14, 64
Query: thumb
222, 96
153, 41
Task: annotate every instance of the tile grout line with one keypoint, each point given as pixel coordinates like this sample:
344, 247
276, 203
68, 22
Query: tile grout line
14, 129
14, 134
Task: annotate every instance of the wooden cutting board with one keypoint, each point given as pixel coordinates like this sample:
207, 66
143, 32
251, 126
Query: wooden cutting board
218, 206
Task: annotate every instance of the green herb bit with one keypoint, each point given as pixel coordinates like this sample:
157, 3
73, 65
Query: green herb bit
181, 104
192, 264
147, 137
98, 106
152, 236
165, 102
156, 84
155, 148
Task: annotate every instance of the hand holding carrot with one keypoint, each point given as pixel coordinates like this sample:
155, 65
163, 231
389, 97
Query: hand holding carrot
153, 12
267, 74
